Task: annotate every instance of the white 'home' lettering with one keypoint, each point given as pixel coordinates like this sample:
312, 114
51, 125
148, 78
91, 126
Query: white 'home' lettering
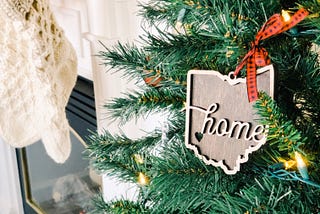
221, 127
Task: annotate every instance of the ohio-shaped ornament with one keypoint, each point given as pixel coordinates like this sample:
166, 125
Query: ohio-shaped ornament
221, 124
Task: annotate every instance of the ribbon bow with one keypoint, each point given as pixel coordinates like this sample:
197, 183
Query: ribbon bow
258, 56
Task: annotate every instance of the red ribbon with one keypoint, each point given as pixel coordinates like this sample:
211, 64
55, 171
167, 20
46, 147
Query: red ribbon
258, 56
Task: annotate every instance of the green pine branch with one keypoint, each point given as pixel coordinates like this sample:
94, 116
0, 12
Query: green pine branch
115, 155
268, 195
138, 104
163, 11
312, 24
117, 207
282, 135
284, 139
128, 58
183, 183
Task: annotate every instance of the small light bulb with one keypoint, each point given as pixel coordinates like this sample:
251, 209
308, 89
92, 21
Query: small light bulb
138, 159
184, 106
285, 15
143, 179
289, 164
179, 26
301, 165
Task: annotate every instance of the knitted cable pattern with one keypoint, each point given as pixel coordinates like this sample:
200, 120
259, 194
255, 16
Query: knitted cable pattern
16, 9
38, 69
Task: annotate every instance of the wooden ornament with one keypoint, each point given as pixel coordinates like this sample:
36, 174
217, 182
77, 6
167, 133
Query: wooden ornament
221, 124
150, 79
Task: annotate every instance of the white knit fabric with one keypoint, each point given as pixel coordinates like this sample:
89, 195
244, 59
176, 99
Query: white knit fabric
37, 73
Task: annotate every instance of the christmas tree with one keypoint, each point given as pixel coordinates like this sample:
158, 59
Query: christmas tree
283, 176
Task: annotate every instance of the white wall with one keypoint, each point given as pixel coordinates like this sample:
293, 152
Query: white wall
108, 21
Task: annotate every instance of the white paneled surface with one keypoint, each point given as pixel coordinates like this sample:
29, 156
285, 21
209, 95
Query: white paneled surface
107, 21
10, 198
110, 22
73, 18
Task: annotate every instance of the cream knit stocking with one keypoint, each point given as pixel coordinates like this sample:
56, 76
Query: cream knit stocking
37, 73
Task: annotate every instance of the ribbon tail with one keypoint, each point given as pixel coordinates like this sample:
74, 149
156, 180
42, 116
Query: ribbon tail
251, 80
261, 57
243, 62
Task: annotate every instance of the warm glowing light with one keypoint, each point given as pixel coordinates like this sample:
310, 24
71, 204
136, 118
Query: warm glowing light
138, 159
184, 106
299, 160
179, 27
143, 179
289, 164
301, 165
285, 15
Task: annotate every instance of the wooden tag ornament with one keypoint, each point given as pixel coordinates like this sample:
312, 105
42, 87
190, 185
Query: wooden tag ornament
152, 79
221, 124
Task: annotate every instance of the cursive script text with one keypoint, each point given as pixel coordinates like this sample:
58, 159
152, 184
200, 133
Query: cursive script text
234, 129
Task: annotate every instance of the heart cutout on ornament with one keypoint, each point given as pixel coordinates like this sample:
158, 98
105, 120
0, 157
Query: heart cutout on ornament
198, 136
